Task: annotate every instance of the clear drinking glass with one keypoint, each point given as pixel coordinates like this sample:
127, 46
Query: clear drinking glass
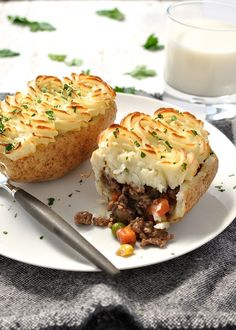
200, 64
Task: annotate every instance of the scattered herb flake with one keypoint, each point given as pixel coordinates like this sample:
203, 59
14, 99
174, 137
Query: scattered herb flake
152, 43
173, 118
220, 188
87, 72
168, 144
113, 14
74, 62
1, 126
50, 114
141, 72
5, 232
128, 90
51, 201
34, 26
9, 147
137, 144
234, 187
57, 57
159, 116
41, 237
231, 175
142, 154
8, 53
163, 156
184, 166
126, 170
194, 132
70, 194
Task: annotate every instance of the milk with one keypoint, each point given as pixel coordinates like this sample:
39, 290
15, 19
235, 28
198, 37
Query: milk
202, 62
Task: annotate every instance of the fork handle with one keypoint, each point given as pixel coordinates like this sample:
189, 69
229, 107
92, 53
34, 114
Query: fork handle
57, 225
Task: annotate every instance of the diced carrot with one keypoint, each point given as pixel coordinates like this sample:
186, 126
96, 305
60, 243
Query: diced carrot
126, 235
159, 207
114, 196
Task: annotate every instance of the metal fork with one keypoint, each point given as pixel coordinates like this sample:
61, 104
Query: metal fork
58, 226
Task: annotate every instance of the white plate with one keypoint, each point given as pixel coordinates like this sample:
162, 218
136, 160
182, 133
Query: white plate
215, 211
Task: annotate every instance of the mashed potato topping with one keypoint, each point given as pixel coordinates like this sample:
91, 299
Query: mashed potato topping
51, 106
159, 151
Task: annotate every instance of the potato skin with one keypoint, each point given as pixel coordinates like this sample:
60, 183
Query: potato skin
58, 158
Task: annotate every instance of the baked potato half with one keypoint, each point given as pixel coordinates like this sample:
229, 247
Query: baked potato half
54, 126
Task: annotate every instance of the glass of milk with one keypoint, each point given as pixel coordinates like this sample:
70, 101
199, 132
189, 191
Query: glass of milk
200, 61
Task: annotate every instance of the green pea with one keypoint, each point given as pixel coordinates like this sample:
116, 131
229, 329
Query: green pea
115, 227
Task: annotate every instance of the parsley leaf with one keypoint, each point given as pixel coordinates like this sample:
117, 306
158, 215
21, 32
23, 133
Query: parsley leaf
33, 25
129, 90
152, 43
57, 57
113, 14
9, 147
141, 72
62, 58
74, 62
50, 114
8, 53
87, 72
51, 201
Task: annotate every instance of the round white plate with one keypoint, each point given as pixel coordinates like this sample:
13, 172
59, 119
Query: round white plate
23, 239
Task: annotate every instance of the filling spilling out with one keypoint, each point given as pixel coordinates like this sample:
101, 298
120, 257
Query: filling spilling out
140, 212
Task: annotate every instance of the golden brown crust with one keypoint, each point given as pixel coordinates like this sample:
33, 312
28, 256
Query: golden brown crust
59, 157
191, 191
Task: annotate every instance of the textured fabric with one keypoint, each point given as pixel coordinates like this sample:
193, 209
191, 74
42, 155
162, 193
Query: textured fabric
197, 290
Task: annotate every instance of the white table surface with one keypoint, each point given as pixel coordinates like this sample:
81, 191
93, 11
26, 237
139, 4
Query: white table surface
108, 48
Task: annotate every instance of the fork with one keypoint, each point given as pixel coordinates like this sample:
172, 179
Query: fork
58, 226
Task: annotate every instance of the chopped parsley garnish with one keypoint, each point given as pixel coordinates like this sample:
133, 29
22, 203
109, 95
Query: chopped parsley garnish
51, 201
25, 106
137, 144
57, 57
113, 14
168, 144
41, 237
194, 132
142, 154
154, 133
74, 62
126, 170
34, 26
163, 156
50, 114
211, 153
184, 166
220, 188
87, 72
62, 58
159, 116
70, 194
165, 130
234, 187
39, 101
68, 88
1, 126
128, 90
173, 118
9, 147
115, 132
152, 43
33, 115
8, 53
141, 72
5, 232
44, 89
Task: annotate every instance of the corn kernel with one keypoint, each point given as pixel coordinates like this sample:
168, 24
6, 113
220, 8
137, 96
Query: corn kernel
125, 250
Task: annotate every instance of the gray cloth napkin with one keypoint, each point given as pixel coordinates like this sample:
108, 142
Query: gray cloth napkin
197, 290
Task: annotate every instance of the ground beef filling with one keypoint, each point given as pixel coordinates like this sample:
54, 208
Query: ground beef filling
128, 203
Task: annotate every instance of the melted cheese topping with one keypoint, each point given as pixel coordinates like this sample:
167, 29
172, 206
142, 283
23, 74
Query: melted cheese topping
51, 106
159, 151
